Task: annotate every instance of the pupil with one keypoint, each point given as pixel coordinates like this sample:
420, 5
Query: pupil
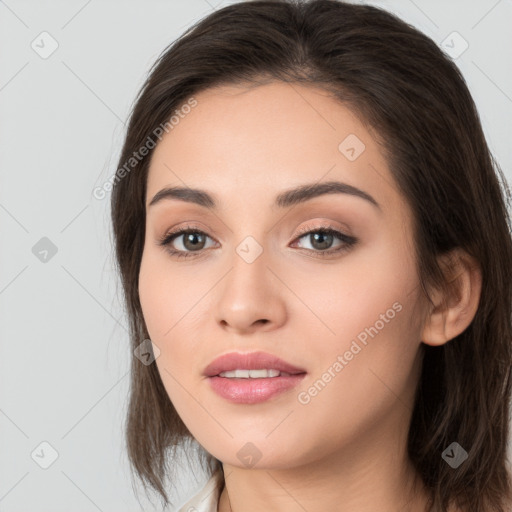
324, 245
191, 238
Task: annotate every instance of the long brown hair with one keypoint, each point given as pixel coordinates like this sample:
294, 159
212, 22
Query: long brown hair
415, 100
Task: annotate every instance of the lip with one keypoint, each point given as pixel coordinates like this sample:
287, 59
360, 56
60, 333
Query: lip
249, 361
252, 391
246, 390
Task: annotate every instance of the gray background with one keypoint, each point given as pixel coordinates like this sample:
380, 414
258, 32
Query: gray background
64, 348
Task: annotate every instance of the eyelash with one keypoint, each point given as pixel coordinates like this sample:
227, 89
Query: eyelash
349, 241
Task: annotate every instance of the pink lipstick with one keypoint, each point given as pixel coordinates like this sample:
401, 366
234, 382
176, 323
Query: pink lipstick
251, 377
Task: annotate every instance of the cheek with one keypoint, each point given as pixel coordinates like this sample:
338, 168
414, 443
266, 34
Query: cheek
163, 295
373, 325
373, 287
162, 309
172, 309
157, 294
358, 373
152, 298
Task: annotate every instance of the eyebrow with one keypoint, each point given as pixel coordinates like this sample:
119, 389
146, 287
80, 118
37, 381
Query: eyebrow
285, 199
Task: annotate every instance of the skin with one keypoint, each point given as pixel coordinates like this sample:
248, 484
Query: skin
345, 450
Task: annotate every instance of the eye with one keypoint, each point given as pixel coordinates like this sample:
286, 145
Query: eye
193, 241
321, 239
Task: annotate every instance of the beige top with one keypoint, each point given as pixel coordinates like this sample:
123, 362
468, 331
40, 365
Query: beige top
207, 500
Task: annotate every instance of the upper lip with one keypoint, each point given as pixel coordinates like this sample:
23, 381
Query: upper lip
249, 361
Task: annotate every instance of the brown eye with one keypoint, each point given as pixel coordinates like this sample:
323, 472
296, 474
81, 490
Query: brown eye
322, 238
184, 242
192, 240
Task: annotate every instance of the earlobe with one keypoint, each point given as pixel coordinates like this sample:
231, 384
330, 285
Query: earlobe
454, 309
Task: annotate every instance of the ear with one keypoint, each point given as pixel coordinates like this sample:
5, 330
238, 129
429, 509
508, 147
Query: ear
454, 309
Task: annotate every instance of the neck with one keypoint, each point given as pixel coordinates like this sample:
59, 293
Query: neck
372, 474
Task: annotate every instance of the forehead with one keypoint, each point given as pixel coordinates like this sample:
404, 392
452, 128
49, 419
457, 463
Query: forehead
254, 140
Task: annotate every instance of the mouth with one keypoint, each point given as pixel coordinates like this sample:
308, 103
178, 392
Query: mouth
255, 374
252, 377
243, 390
252, 362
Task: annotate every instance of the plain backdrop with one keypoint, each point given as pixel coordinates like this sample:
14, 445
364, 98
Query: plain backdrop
64, 348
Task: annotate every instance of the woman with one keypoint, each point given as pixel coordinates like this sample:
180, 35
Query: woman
311, 231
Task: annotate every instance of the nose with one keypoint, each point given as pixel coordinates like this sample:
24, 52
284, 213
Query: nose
250, 297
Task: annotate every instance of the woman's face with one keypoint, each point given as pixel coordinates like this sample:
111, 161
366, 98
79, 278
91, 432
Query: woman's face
345, 310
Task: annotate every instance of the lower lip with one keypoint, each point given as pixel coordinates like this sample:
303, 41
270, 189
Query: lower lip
253, 391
